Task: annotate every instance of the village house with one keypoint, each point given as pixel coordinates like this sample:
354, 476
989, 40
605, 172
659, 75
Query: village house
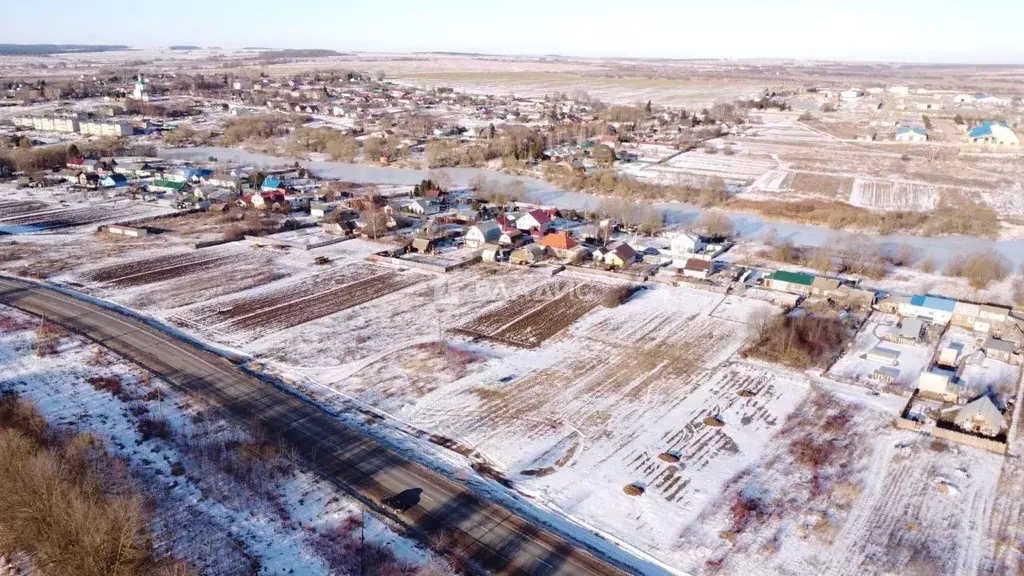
319, 209
698, 268
933, 308
529, 254
824, 287
792, 282
513, 237
998, 350
560, 244
422, 207
686, 243
534, 220
980, 416
487, 232
981, 318
908, 134
271, 183
114, 181
166, 186
621, 256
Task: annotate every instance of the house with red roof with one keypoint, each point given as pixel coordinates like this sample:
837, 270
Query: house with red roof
534, 220
563, 246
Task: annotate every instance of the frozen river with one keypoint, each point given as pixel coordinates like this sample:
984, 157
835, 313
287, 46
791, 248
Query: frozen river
940, 248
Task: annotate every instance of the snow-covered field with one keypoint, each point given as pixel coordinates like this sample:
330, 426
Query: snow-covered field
893, 195
207, 510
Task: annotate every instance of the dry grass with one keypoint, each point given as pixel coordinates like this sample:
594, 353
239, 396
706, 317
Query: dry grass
66, 504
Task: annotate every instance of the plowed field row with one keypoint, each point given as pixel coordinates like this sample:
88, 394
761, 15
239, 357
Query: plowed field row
330, 302
303, 288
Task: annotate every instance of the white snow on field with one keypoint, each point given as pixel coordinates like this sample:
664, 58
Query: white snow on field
200, 516
771, 180
853, 366
893, 195
576, 420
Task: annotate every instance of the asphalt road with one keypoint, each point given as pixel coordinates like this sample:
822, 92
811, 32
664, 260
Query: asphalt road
490, 535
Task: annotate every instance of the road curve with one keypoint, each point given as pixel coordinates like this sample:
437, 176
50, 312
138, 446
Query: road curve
490, 536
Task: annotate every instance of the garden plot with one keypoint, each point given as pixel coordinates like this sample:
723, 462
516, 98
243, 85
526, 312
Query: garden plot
49, 218
855, 367
841, 492
626, 385
893, 195
294, 304
771, 181
12, 208
530, 319
730, 167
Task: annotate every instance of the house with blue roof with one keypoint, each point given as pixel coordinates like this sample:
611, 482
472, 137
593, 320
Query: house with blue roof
992, 134
271, 183
908, 134
114, 181
933, 308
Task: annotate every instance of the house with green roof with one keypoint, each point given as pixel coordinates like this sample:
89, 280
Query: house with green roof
792, 282
166, 186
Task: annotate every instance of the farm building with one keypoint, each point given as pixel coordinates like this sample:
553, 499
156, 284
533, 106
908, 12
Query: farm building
936, 384
907, 134
792, 282
992, 134
126, 231
883, 356
980, 416
494, 253
483, 233
423, 245
899, 90
938, 310
851, 94
699, 269
998, 350
949, 356
908, 332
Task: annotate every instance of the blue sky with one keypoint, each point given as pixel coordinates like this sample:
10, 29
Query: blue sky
983, 31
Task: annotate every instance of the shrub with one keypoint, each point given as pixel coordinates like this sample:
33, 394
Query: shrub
111, 384
979, 268
64, 504
618, 295
151, 428
799, 342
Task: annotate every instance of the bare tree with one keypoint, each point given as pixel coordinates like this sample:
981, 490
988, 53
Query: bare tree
441, 178
716, 224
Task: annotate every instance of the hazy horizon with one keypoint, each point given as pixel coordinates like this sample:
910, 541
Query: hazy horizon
909, 31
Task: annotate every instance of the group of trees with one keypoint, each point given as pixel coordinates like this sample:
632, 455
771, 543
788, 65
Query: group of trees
259, 127
336, 145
